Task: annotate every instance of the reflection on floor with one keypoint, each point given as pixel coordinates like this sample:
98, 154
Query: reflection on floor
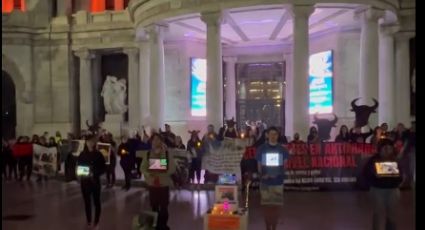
56, 205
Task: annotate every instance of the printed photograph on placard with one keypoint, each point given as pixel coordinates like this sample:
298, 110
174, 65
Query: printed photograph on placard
105, 149
226, 193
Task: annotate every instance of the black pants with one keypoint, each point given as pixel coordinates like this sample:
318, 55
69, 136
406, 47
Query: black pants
110, 174
13, 169
127, 174
91, 189
160, 198
70, 165
138, 164
195, 169
25, 167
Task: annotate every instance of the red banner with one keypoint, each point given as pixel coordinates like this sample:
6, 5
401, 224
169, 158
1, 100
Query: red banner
21, 150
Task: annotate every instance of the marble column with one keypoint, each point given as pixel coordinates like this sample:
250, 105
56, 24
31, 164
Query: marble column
300, 92
133, 87
157, 77
403, 77
86, 87
230, 87
213, 21
289, 99
369, 58
144, 82
387, 75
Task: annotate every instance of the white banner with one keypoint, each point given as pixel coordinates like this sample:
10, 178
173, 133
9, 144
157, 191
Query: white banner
45, 160
226, 158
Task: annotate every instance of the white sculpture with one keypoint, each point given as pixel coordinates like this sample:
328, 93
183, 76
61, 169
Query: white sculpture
114, 94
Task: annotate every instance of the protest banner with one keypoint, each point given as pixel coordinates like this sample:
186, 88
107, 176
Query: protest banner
328, 165
45, 160
226, 157
22, 149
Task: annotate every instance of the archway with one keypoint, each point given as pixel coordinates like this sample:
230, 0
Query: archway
8, 106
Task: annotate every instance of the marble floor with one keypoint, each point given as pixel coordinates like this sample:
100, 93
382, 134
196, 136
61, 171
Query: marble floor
57, 205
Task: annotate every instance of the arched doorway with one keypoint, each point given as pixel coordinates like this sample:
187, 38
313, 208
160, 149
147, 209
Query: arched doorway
8, 106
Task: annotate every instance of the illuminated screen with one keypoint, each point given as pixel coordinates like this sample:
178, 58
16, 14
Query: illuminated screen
320, 82
198, 75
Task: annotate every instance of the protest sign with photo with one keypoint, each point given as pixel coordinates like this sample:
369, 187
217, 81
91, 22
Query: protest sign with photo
45, 160
105, 149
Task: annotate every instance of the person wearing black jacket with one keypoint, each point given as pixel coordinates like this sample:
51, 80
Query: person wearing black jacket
358, 137
127, 161
90, 184
384, 189
343, 135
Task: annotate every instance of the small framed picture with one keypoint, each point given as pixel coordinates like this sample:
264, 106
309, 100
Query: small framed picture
227, 193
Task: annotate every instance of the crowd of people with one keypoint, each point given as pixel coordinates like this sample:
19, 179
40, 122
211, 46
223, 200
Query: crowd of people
157, 143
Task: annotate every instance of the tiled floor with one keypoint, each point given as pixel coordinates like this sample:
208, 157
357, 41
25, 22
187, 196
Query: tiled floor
57, 205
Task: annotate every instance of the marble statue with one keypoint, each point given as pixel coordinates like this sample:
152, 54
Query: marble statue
114, 94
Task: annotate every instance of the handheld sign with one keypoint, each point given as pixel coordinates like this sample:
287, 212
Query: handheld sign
158, 164
83, 171
272, 159
387, 169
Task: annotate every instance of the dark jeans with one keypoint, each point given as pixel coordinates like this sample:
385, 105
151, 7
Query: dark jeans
91, 189
160, 198
138, 164
385, 202
195, 169
13, 169
127, 174
110, 174
25, 167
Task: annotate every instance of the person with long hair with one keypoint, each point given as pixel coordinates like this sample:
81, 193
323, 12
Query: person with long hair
127, 161
158, 178
377, 135
9, 160
94, 162
194, 146
313, 136
110, 169
25, 159
271, 157
344, 135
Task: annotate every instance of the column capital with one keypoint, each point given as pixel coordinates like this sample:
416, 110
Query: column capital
84, 54
131, 51
156, 30
389, 30
212, 18
230, 59
404, 36
301, 10
369, 14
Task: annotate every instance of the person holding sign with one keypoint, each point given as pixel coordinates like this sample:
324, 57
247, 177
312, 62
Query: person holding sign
158, 166
127, 161
90, 166
194, 146
383, 175
270, 157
